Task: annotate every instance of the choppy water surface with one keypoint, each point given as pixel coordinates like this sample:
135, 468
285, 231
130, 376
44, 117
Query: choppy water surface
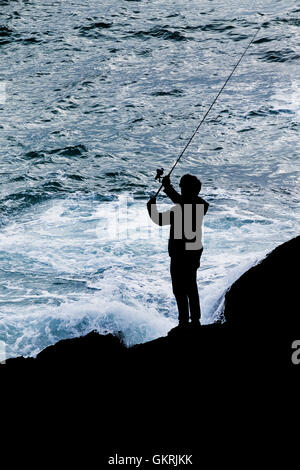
94, 96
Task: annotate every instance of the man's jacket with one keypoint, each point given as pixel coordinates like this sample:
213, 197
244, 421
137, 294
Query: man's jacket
185, 220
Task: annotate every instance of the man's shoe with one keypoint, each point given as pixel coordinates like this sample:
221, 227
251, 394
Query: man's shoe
183, 324
180, 328
195, 324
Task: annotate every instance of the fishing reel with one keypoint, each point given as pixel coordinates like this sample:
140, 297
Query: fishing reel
159, 174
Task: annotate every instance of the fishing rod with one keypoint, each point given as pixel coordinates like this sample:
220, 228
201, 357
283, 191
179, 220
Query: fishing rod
159, 172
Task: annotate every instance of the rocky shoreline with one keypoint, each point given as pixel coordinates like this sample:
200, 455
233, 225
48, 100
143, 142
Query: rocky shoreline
213, 383
260, 307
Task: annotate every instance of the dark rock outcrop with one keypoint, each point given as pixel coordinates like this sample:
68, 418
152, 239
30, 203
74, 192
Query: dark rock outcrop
266, 296
188, 384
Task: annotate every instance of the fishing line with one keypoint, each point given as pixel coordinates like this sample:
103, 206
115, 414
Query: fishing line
209, 109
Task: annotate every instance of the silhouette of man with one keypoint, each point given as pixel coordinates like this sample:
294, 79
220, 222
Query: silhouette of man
185, 243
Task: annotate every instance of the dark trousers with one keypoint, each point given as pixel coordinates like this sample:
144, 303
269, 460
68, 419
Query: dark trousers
184, 281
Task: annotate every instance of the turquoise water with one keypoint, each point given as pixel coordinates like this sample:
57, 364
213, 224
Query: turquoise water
95, 97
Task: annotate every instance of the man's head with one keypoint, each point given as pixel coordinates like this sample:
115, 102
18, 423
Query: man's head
190, 185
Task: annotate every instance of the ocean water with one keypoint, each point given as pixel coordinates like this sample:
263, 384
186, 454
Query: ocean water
94, 96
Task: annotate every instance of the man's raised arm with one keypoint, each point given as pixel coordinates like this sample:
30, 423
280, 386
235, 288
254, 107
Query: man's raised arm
170, 191
159, 218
